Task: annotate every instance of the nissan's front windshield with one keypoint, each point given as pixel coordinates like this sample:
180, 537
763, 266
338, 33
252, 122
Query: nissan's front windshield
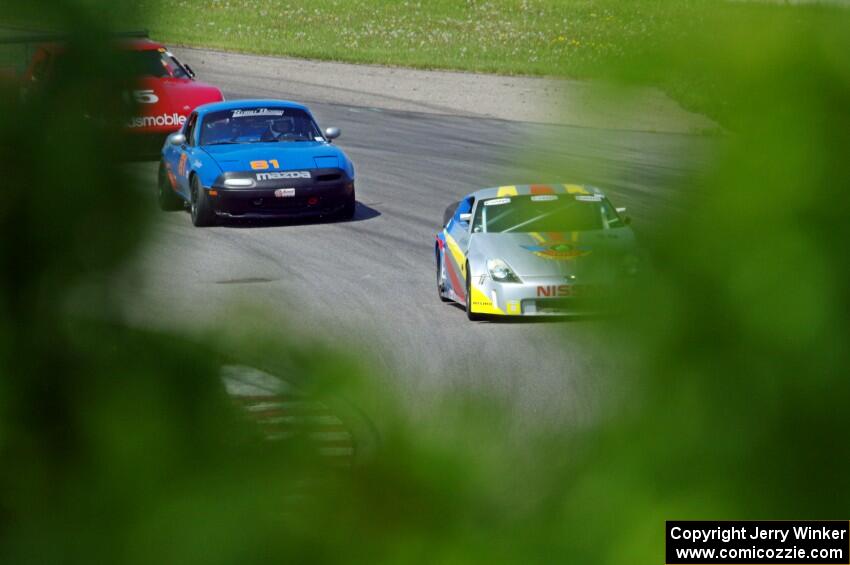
259, 125
545, 213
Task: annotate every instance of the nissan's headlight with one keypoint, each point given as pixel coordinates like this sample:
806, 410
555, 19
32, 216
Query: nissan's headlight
501, 272
239, 183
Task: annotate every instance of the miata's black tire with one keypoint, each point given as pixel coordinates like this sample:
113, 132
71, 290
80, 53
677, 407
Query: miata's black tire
166, 198
469, 313
440, 289
348, 210
202, 211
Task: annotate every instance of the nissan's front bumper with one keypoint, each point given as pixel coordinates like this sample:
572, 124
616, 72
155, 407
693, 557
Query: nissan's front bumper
549, 296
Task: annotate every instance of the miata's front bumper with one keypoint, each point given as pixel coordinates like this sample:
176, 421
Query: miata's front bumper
326, 192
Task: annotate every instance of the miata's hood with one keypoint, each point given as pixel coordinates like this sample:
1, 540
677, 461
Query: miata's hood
290, 156
588, 255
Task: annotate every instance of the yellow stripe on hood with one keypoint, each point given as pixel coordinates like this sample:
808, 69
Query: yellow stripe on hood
575, 189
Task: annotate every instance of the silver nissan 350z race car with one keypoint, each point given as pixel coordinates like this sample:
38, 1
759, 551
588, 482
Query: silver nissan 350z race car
534, 250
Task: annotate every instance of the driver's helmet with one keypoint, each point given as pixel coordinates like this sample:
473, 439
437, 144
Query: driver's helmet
282, 126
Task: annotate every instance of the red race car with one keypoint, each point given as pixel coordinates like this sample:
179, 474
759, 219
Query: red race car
164, 94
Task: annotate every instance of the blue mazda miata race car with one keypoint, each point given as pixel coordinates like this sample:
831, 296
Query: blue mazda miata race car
255, 159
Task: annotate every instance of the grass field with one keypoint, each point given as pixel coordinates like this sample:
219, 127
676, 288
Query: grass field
536, 37
583, 39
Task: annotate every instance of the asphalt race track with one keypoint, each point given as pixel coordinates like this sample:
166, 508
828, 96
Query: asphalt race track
371, 281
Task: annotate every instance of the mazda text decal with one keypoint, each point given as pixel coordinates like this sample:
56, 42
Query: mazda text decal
284, 175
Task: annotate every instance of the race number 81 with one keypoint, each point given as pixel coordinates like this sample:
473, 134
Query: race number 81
263, 165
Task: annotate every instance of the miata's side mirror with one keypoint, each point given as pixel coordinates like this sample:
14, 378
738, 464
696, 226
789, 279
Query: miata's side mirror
332, 133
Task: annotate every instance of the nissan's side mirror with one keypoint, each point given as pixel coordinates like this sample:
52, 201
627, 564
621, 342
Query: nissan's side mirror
464, 218
332, 133
177, 139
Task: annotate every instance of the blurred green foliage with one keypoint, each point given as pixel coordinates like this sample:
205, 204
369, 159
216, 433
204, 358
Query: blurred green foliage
120, 446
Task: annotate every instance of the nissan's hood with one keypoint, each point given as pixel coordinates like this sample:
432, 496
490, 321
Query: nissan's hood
289, 155
590, 255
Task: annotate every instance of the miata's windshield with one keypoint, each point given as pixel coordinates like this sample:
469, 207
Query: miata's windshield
259, 125
545, 213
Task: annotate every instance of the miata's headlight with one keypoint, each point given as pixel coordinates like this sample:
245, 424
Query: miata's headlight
239, 183
500, 271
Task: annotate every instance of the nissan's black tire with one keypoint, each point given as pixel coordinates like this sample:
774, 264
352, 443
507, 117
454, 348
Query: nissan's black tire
202, 211
166, 197
469, 313
440, 281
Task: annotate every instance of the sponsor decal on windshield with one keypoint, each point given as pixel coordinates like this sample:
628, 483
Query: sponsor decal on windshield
544, 198
284, 175
589, 198
161, 120
256, 112
497, 201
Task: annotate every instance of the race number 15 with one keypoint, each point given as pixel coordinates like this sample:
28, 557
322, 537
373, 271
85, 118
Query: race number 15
142, 97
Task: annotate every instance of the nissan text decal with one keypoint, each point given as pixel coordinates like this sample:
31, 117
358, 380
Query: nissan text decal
284, 175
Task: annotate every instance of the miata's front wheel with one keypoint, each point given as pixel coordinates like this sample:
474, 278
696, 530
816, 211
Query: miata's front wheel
348, 209
167, 199
202, 211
